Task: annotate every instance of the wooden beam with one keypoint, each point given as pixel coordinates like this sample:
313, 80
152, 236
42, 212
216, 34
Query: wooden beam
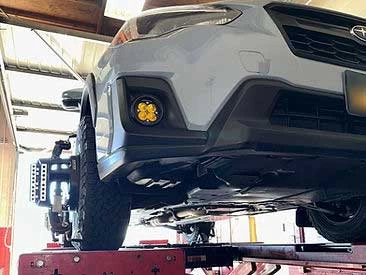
103, 4
75, 15
51, 20
52, 27
84, 12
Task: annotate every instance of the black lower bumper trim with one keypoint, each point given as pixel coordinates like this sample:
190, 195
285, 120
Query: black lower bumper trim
243, 123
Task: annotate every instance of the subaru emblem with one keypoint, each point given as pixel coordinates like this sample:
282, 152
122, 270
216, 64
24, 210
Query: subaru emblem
359, 32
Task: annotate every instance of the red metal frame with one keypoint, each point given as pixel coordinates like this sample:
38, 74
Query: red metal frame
254, 260
130, 262
336, 257
329, 259
5, 238
154, 242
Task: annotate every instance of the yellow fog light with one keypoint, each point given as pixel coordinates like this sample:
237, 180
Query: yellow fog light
147, 110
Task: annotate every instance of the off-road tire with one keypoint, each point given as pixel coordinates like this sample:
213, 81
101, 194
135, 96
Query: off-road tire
350, 231
103, 212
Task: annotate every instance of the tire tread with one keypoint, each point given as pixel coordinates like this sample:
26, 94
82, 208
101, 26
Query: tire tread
103, 213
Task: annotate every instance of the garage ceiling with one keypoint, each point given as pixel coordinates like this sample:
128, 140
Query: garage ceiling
23, 50
37, 77
78, 31
81, 15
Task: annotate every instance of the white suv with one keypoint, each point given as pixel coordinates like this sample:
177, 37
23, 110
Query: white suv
224, 109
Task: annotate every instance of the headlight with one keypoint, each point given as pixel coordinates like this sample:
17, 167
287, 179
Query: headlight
147, 110
157, 22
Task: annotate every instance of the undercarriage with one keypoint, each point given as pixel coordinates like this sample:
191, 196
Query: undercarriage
215, 187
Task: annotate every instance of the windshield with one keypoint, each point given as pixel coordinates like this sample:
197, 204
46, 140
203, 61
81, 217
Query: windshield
353, 7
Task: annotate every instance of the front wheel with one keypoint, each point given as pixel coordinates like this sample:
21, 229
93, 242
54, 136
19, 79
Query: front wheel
341, 221
103, 213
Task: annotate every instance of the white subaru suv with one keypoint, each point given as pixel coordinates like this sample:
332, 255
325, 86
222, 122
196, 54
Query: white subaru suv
222, 109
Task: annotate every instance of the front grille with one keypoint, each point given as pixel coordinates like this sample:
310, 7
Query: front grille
336, 49
320, 35
323, 113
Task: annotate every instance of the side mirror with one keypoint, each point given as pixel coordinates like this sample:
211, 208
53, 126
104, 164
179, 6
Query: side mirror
71, 99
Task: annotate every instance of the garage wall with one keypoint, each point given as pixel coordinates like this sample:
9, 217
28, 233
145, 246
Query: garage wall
8, 158
7, 170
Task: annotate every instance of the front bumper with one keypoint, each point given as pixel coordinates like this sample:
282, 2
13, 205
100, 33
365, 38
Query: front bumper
245, 126
220, 85
205, 65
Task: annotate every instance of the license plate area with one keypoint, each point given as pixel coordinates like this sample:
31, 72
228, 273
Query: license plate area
355, 93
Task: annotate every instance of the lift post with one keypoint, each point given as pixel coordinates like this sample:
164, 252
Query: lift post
176, 259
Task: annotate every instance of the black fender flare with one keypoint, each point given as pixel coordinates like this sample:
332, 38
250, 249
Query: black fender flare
89, 99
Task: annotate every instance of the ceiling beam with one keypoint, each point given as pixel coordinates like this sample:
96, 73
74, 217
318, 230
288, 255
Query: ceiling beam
31, 149
20, 112
82, 18
28, 149
59, 12
101, 15
59, 54
38, 105
59, 74
48, 27
44, 131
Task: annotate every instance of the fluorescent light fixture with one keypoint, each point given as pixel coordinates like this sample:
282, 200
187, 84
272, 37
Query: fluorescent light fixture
123, 10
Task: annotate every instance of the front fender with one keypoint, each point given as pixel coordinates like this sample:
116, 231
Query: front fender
89, 99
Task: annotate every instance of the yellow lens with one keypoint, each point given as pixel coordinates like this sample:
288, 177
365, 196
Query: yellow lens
147, 111
151, 108
151, 117
142, 107
142, 116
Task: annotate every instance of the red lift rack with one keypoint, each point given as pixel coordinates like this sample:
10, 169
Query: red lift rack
175, 260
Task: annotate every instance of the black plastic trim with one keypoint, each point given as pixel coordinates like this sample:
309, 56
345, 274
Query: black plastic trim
134, 142
147, 86
171, 130
241, 127
316, 20
244, 123
89, 99
316, 112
